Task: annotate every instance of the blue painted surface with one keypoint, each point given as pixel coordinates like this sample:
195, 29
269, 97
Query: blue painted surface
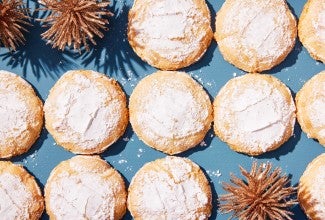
42, 66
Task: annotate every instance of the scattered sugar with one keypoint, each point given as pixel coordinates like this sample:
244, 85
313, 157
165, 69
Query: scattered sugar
126, 139
122, 161
214, 173
203, 144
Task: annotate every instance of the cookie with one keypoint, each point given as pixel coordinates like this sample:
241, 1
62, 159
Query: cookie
86, 112
255, 35
21, 197
254, 114
21, 114
311, 191
311, 28
169, 34
170, 111
310, 102
170, 188
85, 187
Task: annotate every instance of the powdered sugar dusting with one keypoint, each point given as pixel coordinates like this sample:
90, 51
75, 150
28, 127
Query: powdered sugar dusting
82, 196
15, 197
164, 25
318, 190
257, 30
16, 113
256, 115
170, 110
319, 23
85, 113
83, 193
168, 187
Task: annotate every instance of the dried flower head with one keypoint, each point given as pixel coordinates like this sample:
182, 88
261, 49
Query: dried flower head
74, 22
264, 195
13, 16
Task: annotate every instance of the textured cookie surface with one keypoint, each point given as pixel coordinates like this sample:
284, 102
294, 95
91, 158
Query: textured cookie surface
20, 196
255, 35
170, 111
310, 102
311, 28
254, 113
170, 188
86, 112
21, 114
311, 190
169, 34
85, 187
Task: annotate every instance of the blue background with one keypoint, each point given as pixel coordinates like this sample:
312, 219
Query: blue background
41, 65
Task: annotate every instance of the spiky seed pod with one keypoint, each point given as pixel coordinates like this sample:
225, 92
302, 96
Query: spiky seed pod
264, 194
75, 22
13, 18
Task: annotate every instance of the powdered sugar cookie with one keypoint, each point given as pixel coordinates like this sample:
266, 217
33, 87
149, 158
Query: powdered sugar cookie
169, 34
21, 114
311, 191
86, 112
21, 198
310, 102
85, 187
254, 114
170, 111
311, 28
255, 35
170, 188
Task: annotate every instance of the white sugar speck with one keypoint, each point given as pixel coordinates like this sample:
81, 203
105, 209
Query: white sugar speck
126, 139
122, 161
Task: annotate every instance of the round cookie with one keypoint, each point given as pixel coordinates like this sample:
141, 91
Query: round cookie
310, 102
170, 111
255, 35
311, 28
21, 114
254, 113
170, 188
311, 190
86, 112
85, 187
169, 34
20, 196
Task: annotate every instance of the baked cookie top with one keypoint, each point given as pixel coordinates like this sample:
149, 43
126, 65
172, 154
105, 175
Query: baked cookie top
86, 112
85, 187
255, 35
170, 111
310, 102
254, 113
311, 191
311, 28
21, 114
170, 188
169, 34
21, 198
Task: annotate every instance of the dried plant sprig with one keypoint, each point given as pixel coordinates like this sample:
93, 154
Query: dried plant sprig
265, 194
75, 22
13, 18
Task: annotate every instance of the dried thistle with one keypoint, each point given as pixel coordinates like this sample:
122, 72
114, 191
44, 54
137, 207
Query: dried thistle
13, 16
74, 22
264, 195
